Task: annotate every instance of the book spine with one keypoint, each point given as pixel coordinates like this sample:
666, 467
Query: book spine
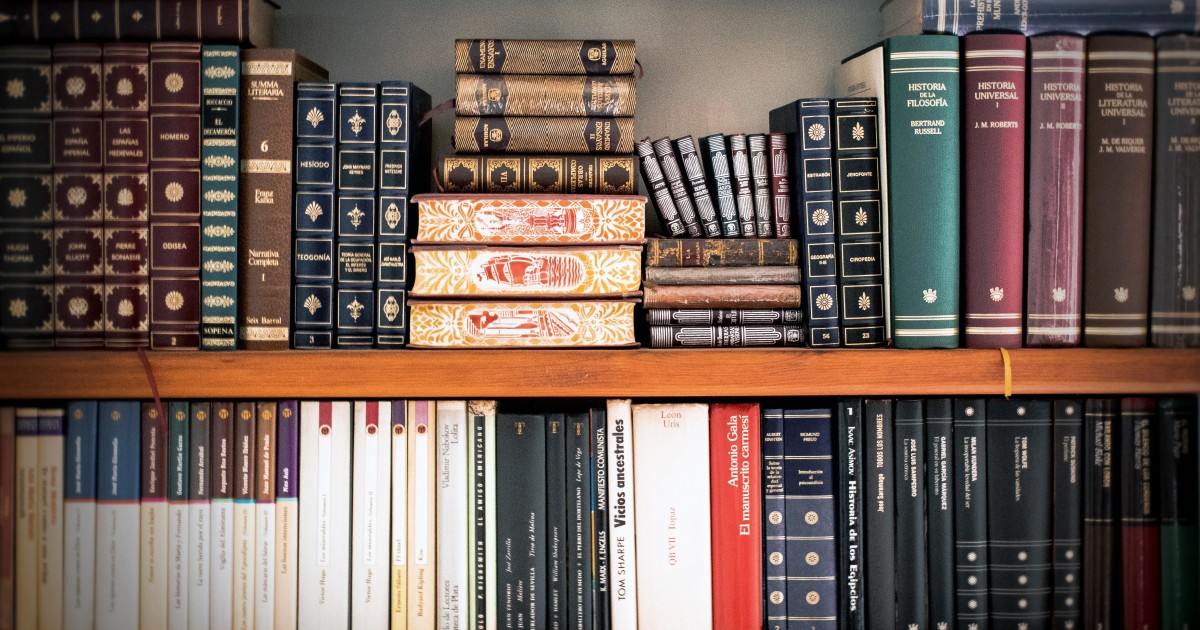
520, 524
264, 514
939, 503
50, 518
453, 560
774, 521
369, 517
265, 149
722, 317
600, 554
704, 252
912, 549
491, 559
780, 190
355, 254
27, 514
26, 228
521, 324
737, 526
1101, 564
545, 95
693, 173
480, 578
813, 144
671, 445
313, 251
534, 134
1054, 283
398, 605
422, 521
1057, 15
738, 296
721, 183
1068, 513
325, 481
879, 518
1178, 467
78, 193
674, 180
199, 513
287, 517
556, 522
726, 336
178, 541
97, 20
851, 577
541, 174
118, 440
1139, 512
579, 525
221, 463
652, 175
860, 256
221, 68
739, 153
544, 56
152, 581
1174, 316
760, 177
622, 519
924, 193
775, 274
1119, 143
242, 540
524, 272
79, 516
808, 470
8, 518
175, 196
540, 220
971, 512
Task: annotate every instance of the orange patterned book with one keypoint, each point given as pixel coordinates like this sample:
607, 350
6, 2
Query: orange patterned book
527, 271
521, 324
500, 219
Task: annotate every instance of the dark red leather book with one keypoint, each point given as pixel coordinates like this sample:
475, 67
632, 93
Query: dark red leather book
126, 195
1119, 148
1141, 589
245, 22
1054, 272
77, 200
175, 196
994, 184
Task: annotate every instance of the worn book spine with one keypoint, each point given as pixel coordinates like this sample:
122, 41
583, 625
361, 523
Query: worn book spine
931, 16
544, 56
1068, 513
220, 76
760, 178
813, 143
79, 515
579, 525
545, 95
520, 523
26, 228
178, 539
152, 557
243, 536
354, 245
528, 271
1101, 565
851, 576
774, 552
720, 181
175, 193
924, 191
477, 537
737, 524
118, 449
28, 519
287, 514
652, 175
697, 186
422, 516
369, 517
221, 462
879, 518
453, 555
1175, 273
1178, 468
774, 274
541, 134
703, 296
780, 186
313, 252
673, 175
540, 174
860, 255
1054, 282
78, 197
726, 336
970, 512
1140, 566
199, 512
912, 548
810, 516
622, 521
263, 574
244, 22
325, 494
743, 194
723, 316
600, 556
1117, 190
398, 547
939, 504
708, 252
8, 517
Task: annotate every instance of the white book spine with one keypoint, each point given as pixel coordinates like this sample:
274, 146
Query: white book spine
243, 564
287, 519
670, 453
489, 515
399, 545
177, 580
422, 526
50, 530
264, 568
622, 549
220, 590
324, 515
117, 517
79, 518
199, 513
452, 520
372, 490
152, 579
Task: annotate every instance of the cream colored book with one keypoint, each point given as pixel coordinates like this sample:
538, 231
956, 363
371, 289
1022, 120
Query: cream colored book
287, 514
325, 440
178, 530
487, 408
622, 547
79, 516
244, 526
264, 517
422, 516
399, 550
50, 518
117, 515
370, 573
199, 513
220, 590
452, 521
152, 577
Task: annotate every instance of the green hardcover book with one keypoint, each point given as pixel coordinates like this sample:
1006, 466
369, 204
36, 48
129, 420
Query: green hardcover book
922, 75
220, 73
1180, 514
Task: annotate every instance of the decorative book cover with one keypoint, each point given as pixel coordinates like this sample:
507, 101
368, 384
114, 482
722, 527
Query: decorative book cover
714, 296
531, 219
178, 530
720, 181
673, 174
520, 519
287, 514
540, 174
939, 509
653, 177
1039, 16
244, 22
697, 186
522, 324
726, 336
453, 555
325, 491
263, 574
737, 525
79, 516
556, 527
199, 513
152, 556
912, 546
851, 575
527, 272
545, 95
810, 516
544, 56
971, 512
221, 462
1180, 514
1117, 190
622, 521
994, 183
739, 157
313, 222
774, 553
118, 436
1054, 280
708, 252
369, 516
773, 274
27, 523
543, 134
1067, 508
760, 177
780, 191
354, 245
1140, 567
1101, 564
879, 519
722, 316
219, 110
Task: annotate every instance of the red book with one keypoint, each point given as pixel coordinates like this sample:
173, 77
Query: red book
994, 183
1141, 590
736, 493
780, 196
1054, 282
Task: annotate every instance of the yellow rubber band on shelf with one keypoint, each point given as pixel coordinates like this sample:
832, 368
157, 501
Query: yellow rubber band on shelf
1007, 372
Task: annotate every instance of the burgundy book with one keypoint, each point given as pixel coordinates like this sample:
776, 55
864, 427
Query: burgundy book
175, 196
1141, 589
781, 198
994, 184
245, 22
1054, 277
126, 195
78, 193
1117, 184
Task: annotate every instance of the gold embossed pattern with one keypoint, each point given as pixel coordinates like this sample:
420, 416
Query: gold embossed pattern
521, 324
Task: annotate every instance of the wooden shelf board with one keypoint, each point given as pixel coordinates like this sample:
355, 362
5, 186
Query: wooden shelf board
641, 373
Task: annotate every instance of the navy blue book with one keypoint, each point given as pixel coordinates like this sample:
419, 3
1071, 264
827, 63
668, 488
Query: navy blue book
774, 515
1068, 514
357, 148
851, 576
807, 123
959, 17
912, 551
315, 170
970, 513
579, 522
939, 503
810, 518
879, 517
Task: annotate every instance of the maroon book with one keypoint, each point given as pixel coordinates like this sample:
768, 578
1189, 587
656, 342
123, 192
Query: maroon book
78, 197
1054, 278
781, 198
175, 196
126, 195
994, 184
1118, 164
1141, 589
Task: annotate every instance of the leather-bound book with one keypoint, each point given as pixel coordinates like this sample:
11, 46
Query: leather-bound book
780, 186
760, 178
544, 56
545, 95
543, 134
356, 212
673, 176
1101, 565
710, 252
539, 174
723, 317
862, 260
313, 251
739, 158
664, 202
720, 179
971, 512
775, 274
218, 198
722, 296
693, 174
726, 336
939, 509
242, 22
1141, 590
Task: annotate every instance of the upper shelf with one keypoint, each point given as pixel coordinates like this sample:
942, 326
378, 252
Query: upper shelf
595, 373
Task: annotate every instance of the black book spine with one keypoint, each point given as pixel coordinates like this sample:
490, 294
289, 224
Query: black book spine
579, 521
478, 419
1068, 513
879, 518
774, 521
726, 336
739, 155
600, 518
679, 193
653, 176
556, 521
760, 177
970, 513
723, 317
912, 553
859, 221
1178, 467
693, 170
721, 180
1020, 528
1100, 560
939, 481
851, 603
520, 520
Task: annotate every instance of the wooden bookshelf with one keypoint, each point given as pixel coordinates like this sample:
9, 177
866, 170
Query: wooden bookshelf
693, 374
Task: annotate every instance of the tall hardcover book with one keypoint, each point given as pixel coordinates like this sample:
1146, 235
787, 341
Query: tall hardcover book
601, 604
544, 56
622, 517
1101, 565
1118, 184
369, 517
422, 515
521, 519
879, 519
1054, 282
8, 516
1178, 468
287, 515
221, 464
219, 109
242, 555
478, 541
970, 512
118, 436
721, 181
265, 193
670, 451
861, 256
673, 176
263, 573
556, 524
810, 516
453, 556
774, 525
178, 530
27, 514
246, 22
50, 518
851, 577
1140, 562
126, 195
398, 551
354, 245
940, 506
314, 220
175, 191
199, 514
693, 173
1067, 506
959, 17
325, 442
579, 525
1175, 271
912, 548
79, 516
152, 556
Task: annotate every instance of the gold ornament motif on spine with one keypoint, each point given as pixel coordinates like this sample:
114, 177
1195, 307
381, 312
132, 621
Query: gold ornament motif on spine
531, 219
541, 272
545, 95
521, 324
516, 134
541, 56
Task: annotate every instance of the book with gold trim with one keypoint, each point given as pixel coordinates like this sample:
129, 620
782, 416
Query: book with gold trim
522, 324
499, 219
539, 174
287, 514
532, 134
545, 95
527, 271
544, 56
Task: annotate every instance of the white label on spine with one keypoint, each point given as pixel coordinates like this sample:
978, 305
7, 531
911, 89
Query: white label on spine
370, 505
399, 498
324, 474
422, 506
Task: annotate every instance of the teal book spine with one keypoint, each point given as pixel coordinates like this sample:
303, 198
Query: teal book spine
922, 79
219, 76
